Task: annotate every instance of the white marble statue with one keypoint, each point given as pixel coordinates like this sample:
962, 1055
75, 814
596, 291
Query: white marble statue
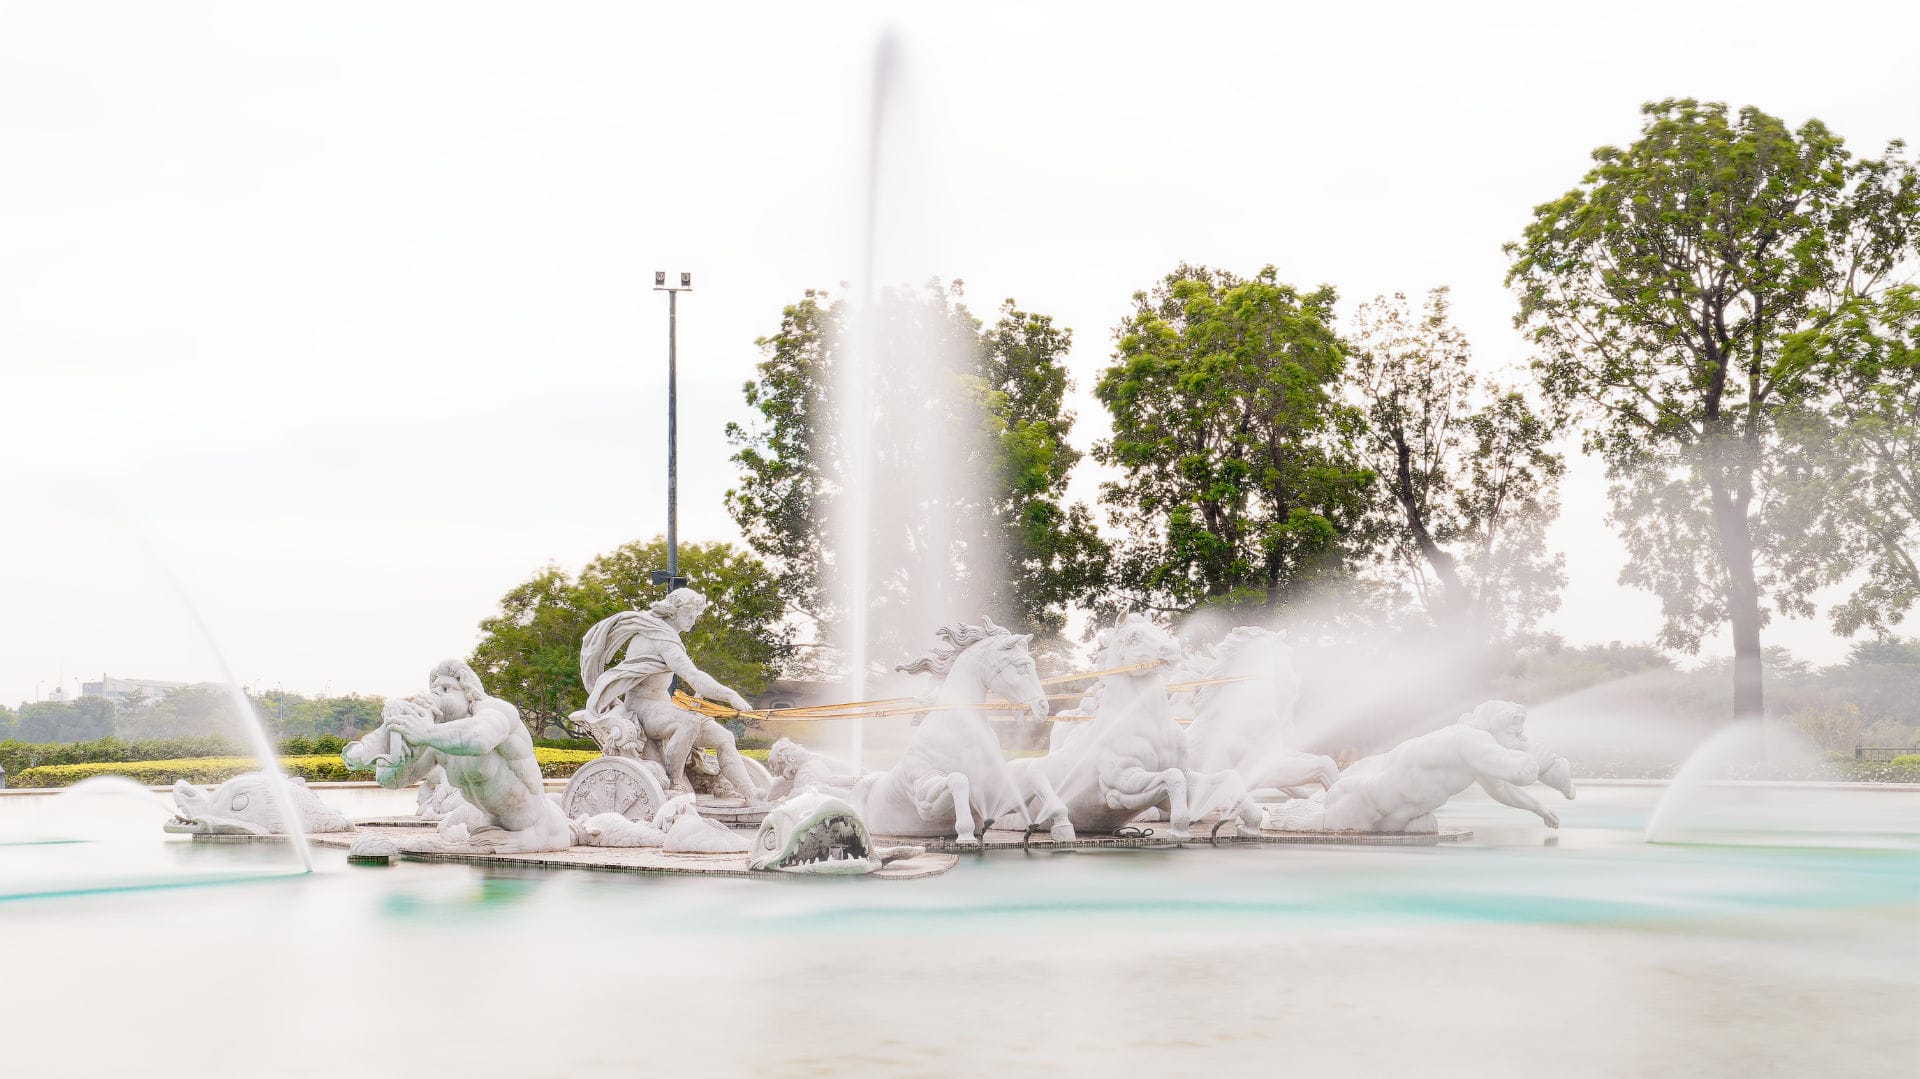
687, 832
1133, 755
437, 797
614, 830
1555, 772
796, 769
1399, 790
1070, 723
487, 755
246, 805
953, 777
1246, 725
630, 707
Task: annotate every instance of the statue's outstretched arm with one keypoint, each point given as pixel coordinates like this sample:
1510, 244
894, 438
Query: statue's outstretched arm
1507, 794
410, 770
703, 683
1491, 759
474, 736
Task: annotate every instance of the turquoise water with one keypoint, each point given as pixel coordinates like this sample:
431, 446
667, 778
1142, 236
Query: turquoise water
1785, 941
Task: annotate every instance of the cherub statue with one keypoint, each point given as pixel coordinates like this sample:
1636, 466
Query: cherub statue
796, 768
1398, 791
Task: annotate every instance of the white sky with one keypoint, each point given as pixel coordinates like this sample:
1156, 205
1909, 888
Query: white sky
340, 314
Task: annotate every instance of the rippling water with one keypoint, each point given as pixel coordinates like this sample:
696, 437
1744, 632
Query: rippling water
1785, 939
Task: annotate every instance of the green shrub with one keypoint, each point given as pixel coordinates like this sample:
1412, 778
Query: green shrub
315, 768
566, 743
1909, 760
16, 757
561, 763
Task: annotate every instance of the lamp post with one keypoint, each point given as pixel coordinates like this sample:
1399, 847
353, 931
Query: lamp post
671, 577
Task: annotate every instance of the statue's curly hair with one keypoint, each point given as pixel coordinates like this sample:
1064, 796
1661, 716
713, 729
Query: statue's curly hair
460, 672
676, 599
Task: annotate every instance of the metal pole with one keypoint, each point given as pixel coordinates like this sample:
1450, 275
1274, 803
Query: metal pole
671, 577
673, 460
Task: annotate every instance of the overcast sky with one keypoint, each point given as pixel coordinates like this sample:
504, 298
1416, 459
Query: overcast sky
326, 324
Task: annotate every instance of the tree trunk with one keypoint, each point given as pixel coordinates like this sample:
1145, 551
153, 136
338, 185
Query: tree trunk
1453, 606
1743, 590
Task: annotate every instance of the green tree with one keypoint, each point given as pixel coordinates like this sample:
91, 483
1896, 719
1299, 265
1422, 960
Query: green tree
1024, 548
1852, 483
1468, 484
1053, 548
79, 720
1240, 483
9, 722
185, 712
1661, 293
529, 651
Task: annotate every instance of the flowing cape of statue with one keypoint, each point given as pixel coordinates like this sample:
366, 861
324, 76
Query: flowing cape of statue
605, 640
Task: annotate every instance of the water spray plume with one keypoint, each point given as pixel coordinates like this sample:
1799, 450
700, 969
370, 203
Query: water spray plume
251, 726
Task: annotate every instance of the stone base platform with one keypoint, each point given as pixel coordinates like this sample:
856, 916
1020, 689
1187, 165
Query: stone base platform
997, 839
1155, 836
1363, 839
628, 859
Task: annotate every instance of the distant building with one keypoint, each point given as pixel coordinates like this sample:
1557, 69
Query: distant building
796, 693
118, 690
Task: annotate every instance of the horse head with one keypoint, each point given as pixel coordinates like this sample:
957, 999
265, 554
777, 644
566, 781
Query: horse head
977, 662
1260, 656
1137, 640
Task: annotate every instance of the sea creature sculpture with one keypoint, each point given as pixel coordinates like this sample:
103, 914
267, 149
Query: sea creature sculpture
1244, 721
247, 805
1133, 756
1399, 790
816, 832
953, 777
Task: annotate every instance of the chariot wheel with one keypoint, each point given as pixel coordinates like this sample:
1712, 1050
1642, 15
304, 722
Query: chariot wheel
620, 785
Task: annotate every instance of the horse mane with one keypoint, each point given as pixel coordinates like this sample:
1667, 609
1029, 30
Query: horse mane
954, 640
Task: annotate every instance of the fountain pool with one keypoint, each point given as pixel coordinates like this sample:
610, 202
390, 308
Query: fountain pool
1589, 952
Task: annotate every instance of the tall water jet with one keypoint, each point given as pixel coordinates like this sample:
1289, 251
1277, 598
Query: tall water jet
855, 388
908, 546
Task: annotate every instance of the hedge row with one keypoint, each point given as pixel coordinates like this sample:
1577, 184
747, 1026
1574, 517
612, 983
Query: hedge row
315, 768
17, 757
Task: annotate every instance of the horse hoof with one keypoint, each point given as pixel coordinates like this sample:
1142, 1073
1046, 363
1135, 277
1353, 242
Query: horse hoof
1062, 833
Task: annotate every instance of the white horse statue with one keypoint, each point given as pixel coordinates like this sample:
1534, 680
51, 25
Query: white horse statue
953, 777
1247, 724
1133, 755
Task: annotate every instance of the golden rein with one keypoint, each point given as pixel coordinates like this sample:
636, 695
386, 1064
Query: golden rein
908, 706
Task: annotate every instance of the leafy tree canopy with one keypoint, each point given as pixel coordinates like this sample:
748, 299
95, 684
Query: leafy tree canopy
1851, 506
996, 392
1240, 483
79, 720
529, 651
1662, 293
1467, 481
